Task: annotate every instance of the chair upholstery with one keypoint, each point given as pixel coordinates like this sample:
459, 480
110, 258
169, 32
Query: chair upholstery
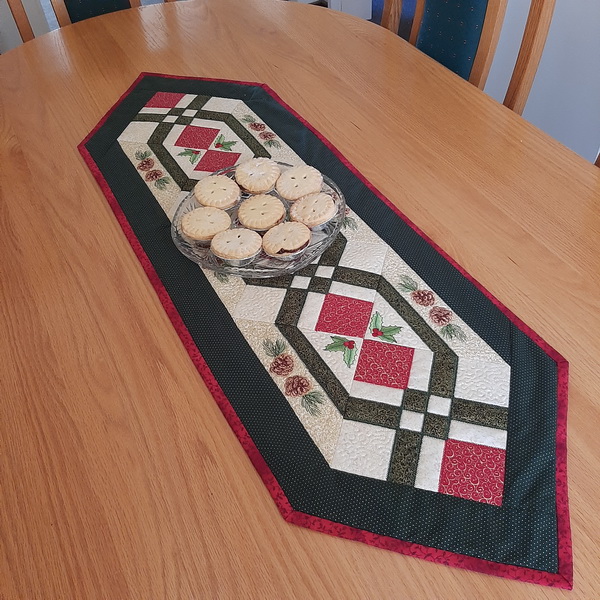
463, 35
79, 10
450, 32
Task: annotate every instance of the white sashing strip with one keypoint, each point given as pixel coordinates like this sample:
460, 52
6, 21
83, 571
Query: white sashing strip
439, 405
226, 105
411, 420
477, 434
352, 291
154, 111
300, 282
430, 464
311, 311
377, 393
138, 131
420, 370
185, 101
325, 272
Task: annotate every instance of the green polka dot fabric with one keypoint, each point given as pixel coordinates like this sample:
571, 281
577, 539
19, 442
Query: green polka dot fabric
381, 393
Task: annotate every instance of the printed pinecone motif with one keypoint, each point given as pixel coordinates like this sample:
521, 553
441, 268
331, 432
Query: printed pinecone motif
257, 126
423, 297
146, 164
282, 365
267, 135
440, 315
296, 385
153, 175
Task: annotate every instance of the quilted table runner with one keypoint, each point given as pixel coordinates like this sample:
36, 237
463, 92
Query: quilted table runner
381, 393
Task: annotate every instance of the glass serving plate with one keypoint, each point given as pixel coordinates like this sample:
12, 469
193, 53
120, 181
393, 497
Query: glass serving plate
262, 266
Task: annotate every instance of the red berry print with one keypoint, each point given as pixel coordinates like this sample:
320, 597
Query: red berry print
350, 344
377, 332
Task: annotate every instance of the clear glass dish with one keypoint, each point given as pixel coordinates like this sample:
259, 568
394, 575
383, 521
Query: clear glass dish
262, 266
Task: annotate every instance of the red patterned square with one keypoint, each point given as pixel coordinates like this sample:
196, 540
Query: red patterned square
164, 100
197, 137
213, 160
473, 472
384, 364
344, 316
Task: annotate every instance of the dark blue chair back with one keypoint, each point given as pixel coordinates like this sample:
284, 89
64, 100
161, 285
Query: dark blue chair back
450, 32
463, 34
79, 10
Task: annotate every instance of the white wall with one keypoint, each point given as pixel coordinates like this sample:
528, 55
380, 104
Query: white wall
9, 34
565, 98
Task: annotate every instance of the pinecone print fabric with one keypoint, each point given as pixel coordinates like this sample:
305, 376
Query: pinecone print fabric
438, 315
296, 385
282, 365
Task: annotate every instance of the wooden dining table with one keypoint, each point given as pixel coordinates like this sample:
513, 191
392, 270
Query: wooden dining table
119, 476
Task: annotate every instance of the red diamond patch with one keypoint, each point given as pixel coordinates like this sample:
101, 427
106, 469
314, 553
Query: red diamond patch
164, 100
197, 137
214, 160
344, 316
384, 364
473, 472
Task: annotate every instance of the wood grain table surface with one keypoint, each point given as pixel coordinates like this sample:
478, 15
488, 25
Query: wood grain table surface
119, 477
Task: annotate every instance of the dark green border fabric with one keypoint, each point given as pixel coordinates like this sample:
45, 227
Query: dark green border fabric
522, 532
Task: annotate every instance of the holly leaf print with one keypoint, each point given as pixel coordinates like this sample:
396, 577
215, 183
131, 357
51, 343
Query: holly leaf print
350, 356
391, 330
248, 119
376, 321
227, 145
273, 144
341, 344
388, 338
221, 143
388, 332
194, 155
337, 345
